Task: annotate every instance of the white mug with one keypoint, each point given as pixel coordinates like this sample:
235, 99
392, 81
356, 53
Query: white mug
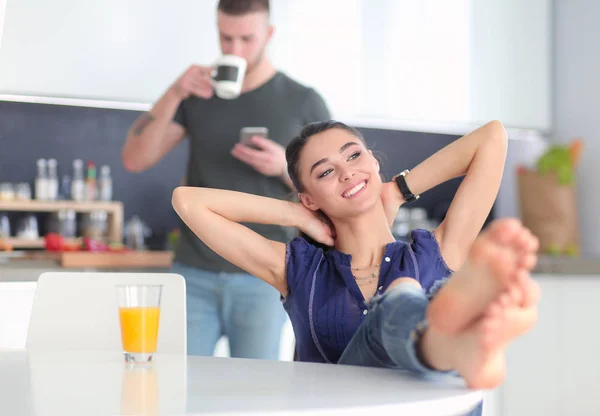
228, 76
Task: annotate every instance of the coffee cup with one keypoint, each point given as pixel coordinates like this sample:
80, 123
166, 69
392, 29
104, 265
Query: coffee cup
228, 76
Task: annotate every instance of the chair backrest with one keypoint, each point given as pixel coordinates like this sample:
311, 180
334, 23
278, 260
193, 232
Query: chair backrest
79, 311
16, 300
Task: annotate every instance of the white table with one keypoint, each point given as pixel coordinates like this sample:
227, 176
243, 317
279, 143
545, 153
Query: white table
100, 383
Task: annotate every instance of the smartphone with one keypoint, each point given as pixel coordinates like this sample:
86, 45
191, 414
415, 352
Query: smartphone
246, 134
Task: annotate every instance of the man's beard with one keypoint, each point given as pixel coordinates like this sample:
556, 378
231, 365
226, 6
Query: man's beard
256, 62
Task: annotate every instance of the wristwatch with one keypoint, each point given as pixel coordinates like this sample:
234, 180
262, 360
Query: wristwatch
400, 180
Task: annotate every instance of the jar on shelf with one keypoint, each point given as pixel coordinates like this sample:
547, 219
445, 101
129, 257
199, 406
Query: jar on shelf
27, 227
95, 225
63, 222
7, 191
23, 192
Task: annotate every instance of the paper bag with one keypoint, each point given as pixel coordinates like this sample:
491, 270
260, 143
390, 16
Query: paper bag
549, 210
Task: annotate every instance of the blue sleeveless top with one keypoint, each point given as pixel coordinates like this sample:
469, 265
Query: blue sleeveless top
324, 301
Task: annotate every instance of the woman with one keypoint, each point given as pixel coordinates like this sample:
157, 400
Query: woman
344, 204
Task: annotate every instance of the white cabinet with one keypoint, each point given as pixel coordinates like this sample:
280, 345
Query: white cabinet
459, 61
16, 300
510, 62
553, 370
532, 386
116, 50
580, 348
402, 61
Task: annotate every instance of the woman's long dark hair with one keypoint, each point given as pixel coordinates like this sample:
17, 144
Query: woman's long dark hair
293, 153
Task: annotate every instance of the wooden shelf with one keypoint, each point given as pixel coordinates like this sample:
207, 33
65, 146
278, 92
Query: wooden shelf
114, 210
53, 206
27, 243
98, 260
128, 259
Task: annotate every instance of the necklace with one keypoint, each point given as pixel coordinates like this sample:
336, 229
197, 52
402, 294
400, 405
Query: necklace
365, 268
366, 280
369, 276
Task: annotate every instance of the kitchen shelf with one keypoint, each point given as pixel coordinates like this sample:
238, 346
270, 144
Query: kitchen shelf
114, 210
29, 243
142, 259
53, 206
127, 259
25, 243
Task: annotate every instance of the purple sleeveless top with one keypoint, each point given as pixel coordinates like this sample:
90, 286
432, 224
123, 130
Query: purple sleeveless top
326, 305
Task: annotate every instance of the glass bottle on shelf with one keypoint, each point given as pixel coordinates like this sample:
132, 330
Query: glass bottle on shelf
91, 187
62, 222
52, 181
64, 190
41, 180
105, 184
4, 226
77, 184
95, 225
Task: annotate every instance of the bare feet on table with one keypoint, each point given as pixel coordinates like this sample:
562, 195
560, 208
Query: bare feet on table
484, 306
477, 353
502, 253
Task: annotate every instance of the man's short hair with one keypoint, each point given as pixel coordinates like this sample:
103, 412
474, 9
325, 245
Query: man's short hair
241, 7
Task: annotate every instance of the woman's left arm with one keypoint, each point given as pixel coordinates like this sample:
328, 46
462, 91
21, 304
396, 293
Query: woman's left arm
480, 156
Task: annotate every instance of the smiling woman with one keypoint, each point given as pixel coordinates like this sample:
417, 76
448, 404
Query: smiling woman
367, 281
336, 184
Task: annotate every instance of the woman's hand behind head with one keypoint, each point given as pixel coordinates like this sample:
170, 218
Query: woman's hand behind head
315, 225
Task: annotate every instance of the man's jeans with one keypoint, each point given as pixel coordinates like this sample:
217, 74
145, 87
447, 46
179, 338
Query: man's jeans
242, 307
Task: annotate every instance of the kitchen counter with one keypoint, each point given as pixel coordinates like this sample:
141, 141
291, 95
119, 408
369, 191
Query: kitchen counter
29, 269
25, 269
568, 265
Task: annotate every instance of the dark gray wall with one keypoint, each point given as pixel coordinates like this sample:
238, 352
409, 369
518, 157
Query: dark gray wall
399, 150
32, 131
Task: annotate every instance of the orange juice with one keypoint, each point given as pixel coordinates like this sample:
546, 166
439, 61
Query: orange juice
139, 328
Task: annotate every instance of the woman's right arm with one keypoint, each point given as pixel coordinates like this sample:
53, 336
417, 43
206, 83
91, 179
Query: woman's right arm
214, 216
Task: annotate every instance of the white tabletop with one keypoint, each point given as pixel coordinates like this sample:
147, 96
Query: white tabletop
100, 383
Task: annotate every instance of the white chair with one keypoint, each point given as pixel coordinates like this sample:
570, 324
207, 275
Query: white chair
78, 311
16, 300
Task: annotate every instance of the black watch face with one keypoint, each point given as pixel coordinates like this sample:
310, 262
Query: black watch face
226, 73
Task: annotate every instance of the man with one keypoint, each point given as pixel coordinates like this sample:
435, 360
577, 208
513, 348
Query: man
222, 299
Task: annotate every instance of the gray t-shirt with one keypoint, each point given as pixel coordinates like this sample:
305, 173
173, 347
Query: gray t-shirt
213, 126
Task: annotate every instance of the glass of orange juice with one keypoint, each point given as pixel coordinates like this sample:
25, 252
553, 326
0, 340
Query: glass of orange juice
139, 315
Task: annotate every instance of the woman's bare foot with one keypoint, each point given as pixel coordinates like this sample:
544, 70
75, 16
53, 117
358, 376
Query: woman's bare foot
477, 353
501, 253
